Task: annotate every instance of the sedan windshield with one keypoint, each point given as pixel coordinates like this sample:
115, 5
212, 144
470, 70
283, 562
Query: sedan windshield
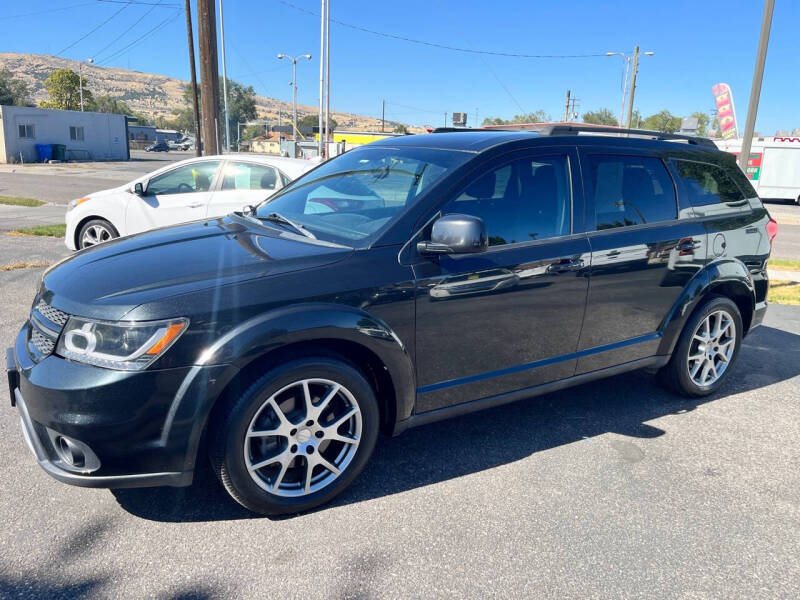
353, 198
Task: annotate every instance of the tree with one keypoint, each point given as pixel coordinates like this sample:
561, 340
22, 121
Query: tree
538, 116
662, 121
251, 131
241, 108
107, 104
702, 122
313, 121
63, 90
13, 91
400, 129
604, 116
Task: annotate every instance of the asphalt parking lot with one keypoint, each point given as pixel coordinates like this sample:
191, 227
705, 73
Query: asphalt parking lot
613, 489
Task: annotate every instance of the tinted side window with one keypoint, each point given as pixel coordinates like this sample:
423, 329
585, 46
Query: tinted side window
707, 184
528, 199
631, 190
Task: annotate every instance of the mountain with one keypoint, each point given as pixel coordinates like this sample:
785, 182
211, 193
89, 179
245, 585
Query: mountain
152, 94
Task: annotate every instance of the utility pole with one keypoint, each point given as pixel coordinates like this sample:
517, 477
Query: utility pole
293, 83
224, 81
755, 89
195, 105
383, 117
327, 74
321, 76
634, 71
566, 108
209, 75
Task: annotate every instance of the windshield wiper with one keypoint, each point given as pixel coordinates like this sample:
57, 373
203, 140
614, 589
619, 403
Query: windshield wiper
279, 218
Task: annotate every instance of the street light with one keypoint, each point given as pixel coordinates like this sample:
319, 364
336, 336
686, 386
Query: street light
626, 61
80, 78
294, 60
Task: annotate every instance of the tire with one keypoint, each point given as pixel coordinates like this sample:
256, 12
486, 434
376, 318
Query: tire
284, 448
96, 232
701, 376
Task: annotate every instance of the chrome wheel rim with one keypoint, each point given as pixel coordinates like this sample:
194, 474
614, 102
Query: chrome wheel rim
303, 437
96, 234
711, 349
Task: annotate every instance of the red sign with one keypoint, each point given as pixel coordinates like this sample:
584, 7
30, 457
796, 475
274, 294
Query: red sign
726, 113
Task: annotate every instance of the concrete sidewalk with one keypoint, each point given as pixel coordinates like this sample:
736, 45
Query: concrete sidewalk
781, 275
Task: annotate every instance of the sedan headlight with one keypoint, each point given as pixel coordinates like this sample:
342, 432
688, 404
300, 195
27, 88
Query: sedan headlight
122, 346
73, 203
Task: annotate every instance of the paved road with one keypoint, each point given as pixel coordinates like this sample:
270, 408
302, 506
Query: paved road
610, 490
60, 183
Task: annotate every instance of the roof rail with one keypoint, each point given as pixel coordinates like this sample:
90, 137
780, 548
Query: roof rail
656, 135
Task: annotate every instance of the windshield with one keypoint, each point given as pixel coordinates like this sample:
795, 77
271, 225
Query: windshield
350, 200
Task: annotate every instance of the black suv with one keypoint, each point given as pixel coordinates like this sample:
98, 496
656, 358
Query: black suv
407, 281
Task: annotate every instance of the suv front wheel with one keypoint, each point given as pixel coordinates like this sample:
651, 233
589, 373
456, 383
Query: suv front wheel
296, 437
707, 349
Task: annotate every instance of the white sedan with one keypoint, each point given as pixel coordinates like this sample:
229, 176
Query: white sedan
188, 190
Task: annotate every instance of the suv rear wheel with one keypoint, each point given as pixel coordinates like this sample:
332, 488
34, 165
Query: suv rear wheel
296, 437
706, 350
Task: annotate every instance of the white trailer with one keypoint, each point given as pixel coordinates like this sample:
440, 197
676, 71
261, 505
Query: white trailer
773, 167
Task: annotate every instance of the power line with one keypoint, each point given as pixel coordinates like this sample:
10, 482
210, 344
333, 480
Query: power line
124, 33
436, 44
43, 12
127, 47
141, 3
91, 31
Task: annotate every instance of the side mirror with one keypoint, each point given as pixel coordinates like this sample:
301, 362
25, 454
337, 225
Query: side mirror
456, 234
138, 188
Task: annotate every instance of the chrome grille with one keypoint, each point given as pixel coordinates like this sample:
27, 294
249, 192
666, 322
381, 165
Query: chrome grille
43, 344
52, 314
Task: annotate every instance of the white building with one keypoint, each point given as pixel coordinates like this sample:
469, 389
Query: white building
86, 135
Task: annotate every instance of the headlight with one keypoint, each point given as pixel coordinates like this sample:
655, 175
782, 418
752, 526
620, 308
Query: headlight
123, 346
73, 203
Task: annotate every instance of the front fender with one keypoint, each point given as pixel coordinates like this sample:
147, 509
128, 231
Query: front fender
728, 272
280, 328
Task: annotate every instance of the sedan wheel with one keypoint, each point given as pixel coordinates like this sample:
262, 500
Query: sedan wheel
96, 231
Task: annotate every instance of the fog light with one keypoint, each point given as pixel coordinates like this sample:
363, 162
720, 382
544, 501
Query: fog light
70, 453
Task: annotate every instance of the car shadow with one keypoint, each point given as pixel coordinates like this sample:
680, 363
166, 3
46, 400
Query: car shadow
479, 441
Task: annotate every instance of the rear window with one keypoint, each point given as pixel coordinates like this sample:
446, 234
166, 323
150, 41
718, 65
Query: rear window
631, 190
708, 185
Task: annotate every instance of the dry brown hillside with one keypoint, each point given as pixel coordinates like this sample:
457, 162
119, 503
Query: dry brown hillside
149, 93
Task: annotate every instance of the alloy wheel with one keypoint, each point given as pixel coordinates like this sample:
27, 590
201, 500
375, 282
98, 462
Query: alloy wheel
711, 348
303, 437
95, 234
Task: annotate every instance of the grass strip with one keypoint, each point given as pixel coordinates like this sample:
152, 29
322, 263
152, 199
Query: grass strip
43, 230
784, 292
17, 201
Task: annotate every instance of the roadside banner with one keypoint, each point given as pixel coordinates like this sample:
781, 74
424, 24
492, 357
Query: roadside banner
726, 113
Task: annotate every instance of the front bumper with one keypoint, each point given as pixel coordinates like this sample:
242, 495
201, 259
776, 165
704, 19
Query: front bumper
137, 428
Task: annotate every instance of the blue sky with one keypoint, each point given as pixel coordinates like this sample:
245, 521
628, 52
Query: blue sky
696, 43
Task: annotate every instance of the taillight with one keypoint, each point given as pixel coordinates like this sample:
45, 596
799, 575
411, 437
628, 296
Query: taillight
772, 230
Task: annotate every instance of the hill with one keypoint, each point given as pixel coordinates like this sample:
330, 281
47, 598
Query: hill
152, 94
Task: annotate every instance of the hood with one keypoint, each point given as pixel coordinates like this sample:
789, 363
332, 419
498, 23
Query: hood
108, 280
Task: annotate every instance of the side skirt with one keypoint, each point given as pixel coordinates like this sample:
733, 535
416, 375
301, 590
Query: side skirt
651, 362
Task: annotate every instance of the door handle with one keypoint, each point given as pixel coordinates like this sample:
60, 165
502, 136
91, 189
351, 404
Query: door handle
564, 266
687, 246
195, 205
